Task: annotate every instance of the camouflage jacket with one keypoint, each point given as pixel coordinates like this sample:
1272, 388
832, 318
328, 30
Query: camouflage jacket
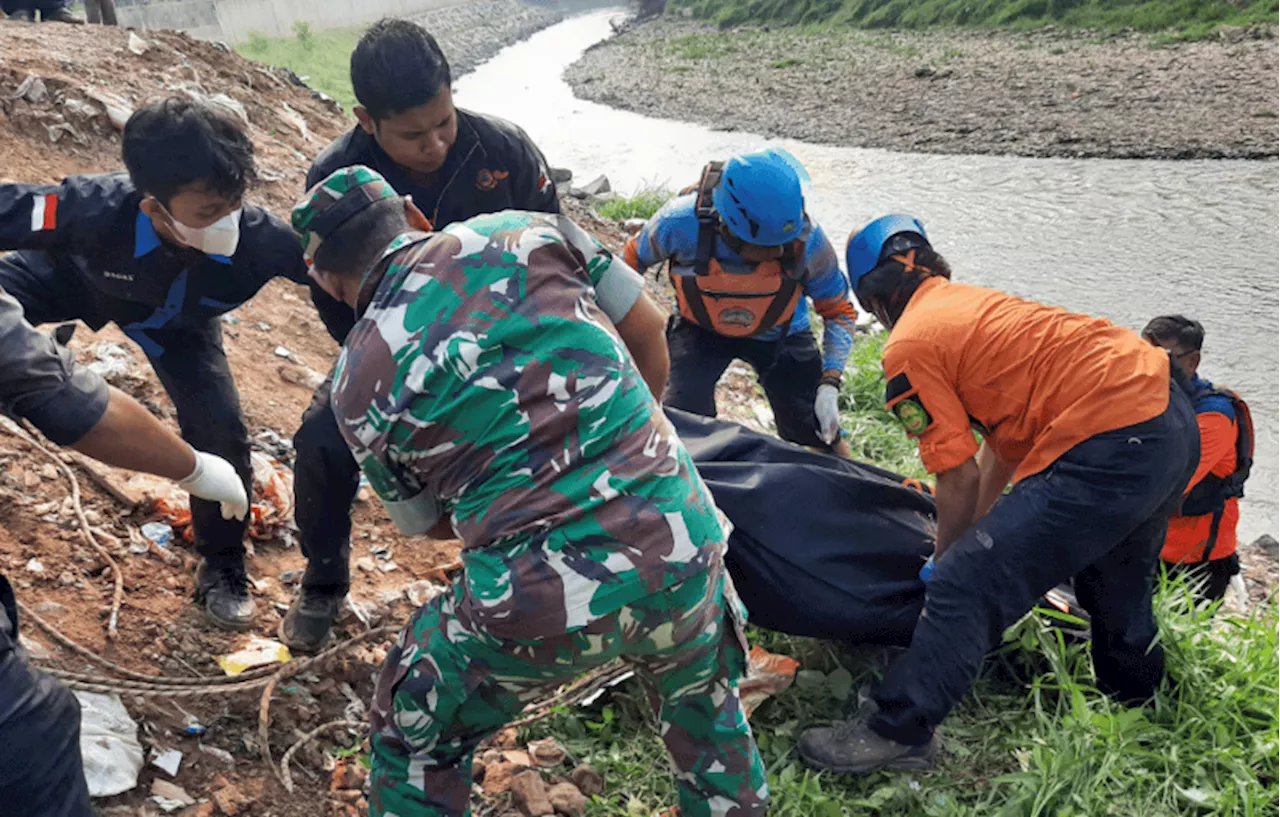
484, 371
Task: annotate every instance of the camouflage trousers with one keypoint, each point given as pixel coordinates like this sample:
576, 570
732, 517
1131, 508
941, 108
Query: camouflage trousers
446, 686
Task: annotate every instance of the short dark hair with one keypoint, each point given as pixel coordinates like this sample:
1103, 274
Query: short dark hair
397, 65
355, 245
175, 141
1186, 334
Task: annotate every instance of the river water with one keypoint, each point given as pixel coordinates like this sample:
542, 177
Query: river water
1125, 239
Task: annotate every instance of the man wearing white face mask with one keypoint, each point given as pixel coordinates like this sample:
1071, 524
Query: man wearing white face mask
162, 251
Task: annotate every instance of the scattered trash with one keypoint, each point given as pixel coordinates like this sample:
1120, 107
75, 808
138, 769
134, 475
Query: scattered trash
168, 796
768, 674
281, 351
231, 105
230, 320
31, 89
258, 652
118, 110
158, 534
167, 761
291, 576
137, 45
109, 744
422, 591
193, 727
80, 108
35, 566
221, 755
263, 326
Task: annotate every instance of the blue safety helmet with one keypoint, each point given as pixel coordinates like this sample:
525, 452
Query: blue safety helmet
759, 199
881, 238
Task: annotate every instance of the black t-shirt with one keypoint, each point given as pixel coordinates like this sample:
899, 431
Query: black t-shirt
493, 166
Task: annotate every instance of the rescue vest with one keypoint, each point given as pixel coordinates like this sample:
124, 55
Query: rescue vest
1210, 495
742, 304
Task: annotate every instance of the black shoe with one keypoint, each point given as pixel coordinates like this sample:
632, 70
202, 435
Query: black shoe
306, 626
23, 16
62, 15
222, 591
854, 748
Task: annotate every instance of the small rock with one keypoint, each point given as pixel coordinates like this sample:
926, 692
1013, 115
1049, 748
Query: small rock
388, 567
588, 780
506, 739
67, 579
560, 175
497, 778
634, 225
390, 598
366, 564
35, 649
230, 320
50, 608
168, 791
492, 756
263, 326
47, 471
347, 774
567, 800
529, 794
597, 186
1268, 545
281, 351
518, 758
30, 480
547, 752
93, 518
229, 799
477, 771
35, 566
201, 810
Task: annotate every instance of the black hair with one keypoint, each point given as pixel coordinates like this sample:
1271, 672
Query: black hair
357, 243
174, 141
892, 283
397, 65
1187, 334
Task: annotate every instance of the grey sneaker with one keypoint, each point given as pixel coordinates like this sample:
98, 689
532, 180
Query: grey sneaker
305, 628
853, 748
222, 591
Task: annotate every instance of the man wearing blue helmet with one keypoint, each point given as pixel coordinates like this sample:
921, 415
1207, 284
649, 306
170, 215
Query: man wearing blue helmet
1099, 441
743, 258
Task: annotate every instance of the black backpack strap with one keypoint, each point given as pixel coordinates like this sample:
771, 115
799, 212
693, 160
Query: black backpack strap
708, 219
786, 289
1213, 532
693, 297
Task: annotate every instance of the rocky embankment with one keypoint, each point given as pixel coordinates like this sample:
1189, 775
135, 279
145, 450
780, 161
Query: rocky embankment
471, 33
1047, 93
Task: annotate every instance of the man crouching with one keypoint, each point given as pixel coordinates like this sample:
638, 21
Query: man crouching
486, 391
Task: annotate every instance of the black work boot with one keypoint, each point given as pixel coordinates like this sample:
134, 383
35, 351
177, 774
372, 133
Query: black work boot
853, 748
222, 591
62, 15
306, 626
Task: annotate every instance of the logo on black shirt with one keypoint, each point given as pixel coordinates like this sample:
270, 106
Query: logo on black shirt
119, 276
488, 179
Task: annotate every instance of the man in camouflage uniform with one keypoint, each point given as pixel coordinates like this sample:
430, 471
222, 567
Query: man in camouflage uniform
486, 382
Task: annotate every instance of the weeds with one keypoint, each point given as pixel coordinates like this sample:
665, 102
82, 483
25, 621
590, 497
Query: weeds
702, 46
789, 62
642, 204
303, 34
322, 57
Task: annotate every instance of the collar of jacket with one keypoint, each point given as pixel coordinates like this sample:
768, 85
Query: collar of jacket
373, 278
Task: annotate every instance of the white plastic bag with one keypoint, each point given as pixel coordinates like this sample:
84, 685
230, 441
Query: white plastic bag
108, 744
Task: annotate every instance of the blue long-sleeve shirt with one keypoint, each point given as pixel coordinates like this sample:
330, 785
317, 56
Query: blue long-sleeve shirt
672, 235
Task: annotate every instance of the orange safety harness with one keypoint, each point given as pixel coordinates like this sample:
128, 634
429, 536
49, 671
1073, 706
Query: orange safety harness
735, 304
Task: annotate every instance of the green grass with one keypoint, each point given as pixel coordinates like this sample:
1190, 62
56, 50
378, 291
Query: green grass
323, 58
1194, 18
701, 47
789, 62
642, 204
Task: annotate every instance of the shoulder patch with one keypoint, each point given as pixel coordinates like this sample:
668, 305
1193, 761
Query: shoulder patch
915, 418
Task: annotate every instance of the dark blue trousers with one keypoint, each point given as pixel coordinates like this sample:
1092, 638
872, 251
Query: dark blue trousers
41, 774
1098, 515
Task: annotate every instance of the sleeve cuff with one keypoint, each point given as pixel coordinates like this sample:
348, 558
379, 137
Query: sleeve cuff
619, 288
69, 413
414, 516
942, 455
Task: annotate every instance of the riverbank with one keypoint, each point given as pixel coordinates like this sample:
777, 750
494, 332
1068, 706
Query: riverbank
1042, 93
469, 34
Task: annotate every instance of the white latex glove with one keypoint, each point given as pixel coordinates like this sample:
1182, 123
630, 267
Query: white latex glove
215, 480
827, 409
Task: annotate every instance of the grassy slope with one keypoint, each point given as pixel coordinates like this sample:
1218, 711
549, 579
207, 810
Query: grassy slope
322, 58
1192, 16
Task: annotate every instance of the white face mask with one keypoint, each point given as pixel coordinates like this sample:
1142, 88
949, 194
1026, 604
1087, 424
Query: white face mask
219, 238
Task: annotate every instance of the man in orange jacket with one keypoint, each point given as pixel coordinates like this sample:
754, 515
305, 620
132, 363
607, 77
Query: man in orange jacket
1202, 534
1099, 441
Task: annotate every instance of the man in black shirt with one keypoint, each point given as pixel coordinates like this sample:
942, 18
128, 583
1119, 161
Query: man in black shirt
455, 165
162, 252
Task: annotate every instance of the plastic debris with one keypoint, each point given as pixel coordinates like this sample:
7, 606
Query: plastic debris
768, 674
108, 744
137, 45
420, 592
283, 352
158, 534
221, 755
170, 797
258, 652
290, 576
194, 727
167, 761
35, 566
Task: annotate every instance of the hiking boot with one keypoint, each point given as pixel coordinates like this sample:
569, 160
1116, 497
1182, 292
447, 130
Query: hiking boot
222, 591
853, 748
306, 626
23, 16
62, 15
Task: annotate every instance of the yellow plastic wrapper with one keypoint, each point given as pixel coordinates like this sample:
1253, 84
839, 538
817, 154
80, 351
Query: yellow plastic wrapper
258, 652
